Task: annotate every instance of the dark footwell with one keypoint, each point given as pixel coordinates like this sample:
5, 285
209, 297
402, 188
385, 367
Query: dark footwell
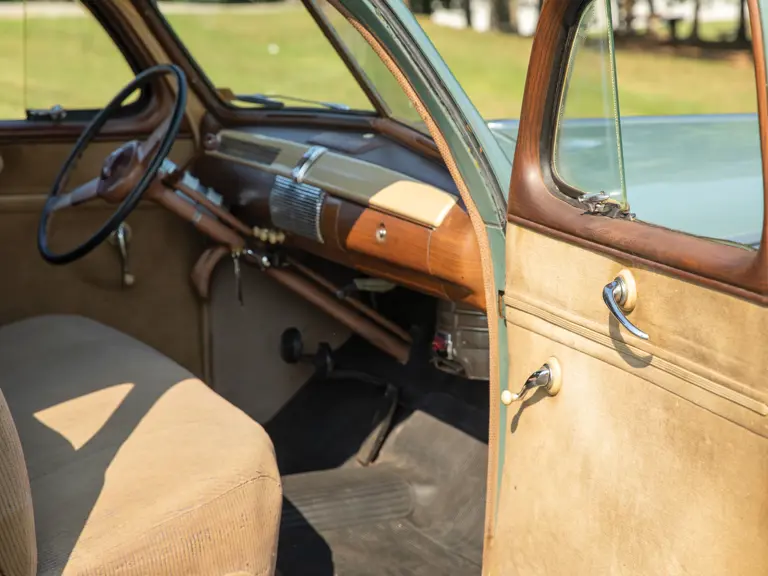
417, 510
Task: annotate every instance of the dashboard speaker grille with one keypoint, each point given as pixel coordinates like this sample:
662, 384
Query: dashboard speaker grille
296, 208
248, 150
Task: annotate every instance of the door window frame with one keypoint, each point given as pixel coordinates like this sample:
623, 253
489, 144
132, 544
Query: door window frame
537, 201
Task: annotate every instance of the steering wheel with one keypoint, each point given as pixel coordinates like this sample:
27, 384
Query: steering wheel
125, 174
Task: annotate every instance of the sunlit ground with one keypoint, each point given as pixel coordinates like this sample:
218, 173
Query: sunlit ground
71, 62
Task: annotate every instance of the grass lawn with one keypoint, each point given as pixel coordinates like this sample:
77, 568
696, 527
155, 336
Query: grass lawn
71, 62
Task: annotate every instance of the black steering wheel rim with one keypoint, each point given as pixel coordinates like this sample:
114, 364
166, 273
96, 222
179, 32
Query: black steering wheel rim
132, 199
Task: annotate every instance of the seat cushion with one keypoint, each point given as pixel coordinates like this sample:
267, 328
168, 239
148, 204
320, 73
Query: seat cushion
18, 550
136, 467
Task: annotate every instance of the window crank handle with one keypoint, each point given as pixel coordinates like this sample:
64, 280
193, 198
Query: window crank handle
538, 379
548, 377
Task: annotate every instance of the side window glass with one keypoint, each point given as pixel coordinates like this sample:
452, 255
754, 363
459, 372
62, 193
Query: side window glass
682, 153
60, 56
692, 154
587, 154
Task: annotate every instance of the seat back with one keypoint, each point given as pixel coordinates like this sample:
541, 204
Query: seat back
18, 547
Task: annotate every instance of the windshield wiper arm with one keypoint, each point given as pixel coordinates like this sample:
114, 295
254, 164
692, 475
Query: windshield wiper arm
276, 101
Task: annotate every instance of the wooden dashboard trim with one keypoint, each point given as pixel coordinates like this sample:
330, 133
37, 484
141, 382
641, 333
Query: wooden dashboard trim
355, 180
442, 262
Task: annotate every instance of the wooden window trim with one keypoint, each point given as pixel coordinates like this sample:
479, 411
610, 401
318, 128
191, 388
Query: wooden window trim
536, 202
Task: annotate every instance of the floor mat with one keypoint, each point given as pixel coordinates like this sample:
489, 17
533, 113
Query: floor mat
417, 511
323, 425
392, 548
345, 497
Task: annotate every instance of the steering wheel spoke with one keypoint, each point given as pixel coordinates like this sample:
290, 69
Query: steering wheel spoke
149, 147
126, 174
79, 195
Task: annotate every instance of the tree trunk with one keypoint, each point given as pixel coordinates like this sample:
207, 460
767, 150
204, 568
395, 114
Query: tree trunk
694, 36
741, 31
421, 6
500, 15
627, 16
651, 9
468, 12
512, 8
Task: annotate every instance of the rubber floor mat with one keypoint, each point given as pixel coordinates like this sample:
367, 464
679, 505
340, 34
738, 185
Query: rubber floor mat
345, 497
417, 511
391, 548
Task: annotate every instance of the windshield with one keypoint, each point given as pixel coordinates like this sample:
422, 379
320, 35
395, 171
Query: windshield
253, 52
377, 75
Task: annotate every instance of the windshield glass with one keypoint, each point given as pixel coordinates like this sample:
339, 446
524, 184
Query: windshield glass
264, 48
378, 76
274, 54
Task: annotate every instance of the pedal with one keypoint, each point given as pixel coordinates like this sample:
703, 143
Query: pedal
385, 415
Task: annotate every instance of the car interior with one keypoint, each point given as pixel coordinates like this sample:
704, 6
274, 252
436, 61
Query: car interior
236, 340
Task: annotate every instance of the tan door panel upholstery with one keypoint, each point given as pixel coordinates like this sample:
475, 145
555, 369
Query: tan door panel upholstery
135, 466
160, 309
653, 458
31, 168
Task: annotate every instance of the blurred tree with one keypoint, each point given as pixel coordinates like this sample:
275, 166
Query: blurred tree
467, 5
420, 6
504, 15
741, 29
512, 5
627, 12
694, 35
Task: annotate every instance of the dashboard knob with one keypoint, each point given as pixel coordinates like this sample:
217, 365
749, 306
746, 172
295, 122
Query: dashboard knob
381, 233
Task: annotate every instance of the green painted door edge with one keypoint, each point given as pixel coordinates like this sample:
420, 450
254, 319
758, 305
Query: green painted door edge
498, 241
480, 160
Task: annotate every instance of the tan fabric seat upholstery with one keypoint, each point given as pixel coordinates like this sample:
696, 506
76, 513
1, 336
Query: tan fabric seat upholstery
18, 551
135, 466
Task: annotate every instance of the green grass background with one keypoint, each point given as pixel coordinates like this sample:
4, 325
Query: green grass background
70, 61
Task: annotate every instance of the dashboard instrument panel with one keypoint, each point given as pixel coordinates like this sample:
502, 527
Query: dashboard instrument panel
322, 193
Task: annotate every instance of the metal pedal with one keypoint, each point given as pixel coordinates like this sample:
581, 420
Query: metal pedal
384, 417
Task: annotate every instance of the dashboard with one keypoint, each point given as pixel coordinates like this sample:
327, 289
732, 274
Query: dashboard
357, 199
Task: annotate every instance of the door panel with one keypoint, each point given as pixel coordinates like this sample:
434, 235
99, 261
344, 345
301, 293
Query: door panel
653, 458
697, 335
31, 168
161, 309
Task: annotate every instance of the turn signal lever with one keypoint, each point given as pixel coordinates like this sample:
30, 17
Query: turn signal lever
292, 352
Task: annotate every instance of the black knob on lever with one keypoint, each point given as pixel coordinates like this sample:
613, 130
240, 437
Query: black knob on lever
292, 352
291, 346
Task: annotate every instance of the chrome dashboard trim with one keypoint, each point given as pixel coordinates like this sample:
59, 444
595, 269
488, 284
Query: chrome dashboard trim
296, 207
305, 163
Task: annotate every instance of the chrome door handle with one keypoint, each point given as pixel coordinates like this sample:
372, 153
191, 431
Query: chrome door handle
547, 377
616, 296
